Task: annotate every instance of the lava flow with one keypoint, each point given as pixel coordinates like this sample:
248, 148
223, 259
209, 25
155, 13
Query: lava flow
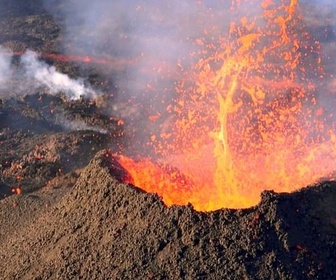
116, 63
246, 118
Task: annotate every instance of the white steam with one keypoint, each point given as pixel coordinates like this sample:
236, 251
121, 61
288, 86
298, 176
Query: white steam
56, 82
81, 125
33, 74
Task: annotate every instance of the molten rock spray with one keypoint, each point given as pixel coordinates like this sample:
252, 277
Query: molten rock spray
233, 93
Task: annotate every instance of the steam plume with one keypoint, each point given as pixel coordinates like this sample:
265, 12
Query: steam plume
49, 77
32, 74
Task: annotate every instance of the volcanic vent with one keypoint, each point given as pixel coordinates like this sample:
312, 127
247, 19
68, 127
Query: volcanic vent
211, 116
223, 111
248, 114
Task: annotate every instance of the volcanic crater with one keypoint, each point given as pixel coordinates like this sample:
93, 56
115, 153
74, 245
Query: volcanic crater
67, 212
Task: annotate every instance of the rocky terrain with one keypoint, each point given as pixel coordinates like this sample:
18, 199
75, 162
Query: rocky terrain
65, 212
103, 229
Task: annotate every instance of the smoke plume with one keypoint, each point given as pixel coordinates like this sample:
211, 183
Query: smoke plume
156, 35
32, 74
55, 81
161, 38
5, 65
319, 16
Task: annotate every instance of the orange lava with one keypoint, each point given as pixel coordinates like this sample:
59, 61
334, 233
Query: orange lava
246, 118
17, 191
116, 63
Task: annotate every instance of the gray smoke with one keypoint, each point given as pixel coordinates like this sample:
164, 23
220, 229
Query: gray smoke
319, 17
160, 35
5, 66
160, 38
157, 35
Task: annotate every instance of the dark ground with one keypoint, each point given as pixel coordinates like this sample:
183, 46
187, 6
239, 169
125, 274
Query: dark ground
75, 220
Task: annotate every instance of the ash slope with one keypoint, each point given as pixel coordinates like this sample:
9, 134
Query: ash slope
103, 229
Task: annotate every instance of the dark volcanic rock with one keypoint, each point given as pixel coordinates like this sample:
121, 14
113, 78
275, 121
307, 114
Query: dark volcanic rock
44, 137
103, 229
25, 24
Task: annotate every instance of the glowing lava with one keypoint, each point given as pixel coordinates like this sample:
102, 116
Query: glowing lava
246, 118
116, 63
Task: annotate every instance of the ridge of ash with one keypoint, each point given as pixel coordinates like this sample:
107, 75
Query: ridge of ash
106, 229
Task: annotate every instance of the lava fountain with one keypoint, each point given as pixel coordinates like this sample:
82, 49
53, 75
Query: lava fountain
246, 117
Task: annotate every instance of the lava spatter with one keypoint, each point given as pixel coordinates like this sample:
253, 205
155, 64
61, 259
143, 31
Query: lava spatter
246, 117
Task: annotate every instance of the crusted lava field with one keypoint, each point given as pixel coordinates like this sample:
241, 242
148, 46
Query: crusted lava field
66, 214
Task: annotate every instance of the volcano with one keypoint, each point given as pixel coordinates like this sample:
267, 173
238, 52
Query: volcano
104, 229
105, 177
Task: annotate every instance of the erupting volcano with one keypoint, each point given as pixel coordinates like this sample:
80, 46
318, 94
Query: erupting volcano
246, 117
124, 124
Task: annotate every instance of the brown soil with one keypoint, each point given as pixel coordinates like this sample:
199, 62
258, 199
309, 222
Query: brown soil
76, 220
103, 229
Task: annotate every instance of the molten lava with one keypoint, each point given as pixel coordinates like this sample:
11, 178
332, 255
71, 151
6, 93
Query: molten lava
116, 63
246, 118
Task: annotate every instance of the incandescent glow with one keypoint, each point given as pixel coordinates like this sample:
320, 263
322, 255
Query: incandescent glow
246, 116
